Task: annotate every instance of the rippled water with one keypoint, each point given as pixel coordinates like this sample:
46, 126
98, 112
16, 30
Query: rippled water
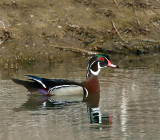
128, 106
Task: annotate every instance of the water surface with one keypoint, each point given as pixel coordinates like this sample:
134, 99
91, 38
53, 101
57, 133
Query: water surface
128, 108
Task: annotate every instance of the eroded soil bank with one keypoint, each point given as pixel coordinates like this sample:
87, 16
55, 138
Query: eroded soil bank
36, 29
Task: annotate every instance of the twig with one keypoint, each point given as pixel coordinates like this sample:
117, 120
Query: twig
151, 20
3, 24
1, 42
155, 11
4, 28
116, 3
157, 1
118, 32
134, 11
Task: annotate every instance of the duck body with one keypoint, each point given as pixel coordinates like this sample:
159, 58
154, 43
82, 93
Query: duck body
66, 87
92, 84
46, 86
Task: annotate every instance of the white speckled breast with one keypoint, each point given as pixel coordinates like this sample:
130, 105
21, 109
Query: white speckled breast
66, 90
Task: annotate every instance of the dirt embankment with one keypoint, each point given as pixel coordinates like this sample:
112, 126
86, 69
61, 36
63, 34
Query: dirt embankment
40, 28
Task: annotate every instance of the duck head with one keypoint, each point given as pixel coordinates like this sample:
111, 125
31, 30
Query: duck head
97, 62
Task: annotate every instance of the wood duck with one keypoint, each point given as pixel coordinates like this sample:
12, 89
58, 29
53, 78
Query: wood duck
66, 87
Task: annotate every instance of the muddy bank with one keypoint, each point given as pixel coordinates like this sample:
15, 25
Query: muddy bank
40, 28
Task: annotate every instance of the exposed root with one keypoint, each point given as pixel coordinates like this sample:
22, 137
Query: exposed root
75, 50
118, 32
4, 27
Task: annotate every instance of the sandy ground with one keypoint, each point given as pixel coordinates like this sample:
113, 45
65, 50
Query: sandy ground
40, 28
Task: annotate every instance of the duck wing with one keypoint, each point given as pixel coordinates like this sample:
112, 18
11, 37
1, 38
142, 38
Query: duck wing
50, 83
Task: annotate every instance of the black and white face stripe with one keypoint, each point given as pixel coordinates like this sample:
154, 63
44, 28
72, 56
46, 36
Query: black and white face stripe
98, 68
96, 63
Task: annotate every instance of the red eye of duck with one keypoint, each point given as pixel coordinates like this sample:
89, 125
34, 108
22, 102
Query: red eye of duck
101, 59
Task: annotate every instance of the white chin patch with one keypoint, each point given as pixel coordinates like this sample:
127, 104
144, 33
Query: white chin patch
95, 72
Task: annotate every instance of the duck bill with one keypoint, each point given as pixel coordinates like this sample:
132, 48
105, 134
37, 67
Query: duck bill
112, 65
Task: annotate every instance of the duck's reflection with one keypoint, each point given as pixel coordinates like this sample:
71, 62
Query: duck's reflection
44, 102
94, 113
49, 103
37, 102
